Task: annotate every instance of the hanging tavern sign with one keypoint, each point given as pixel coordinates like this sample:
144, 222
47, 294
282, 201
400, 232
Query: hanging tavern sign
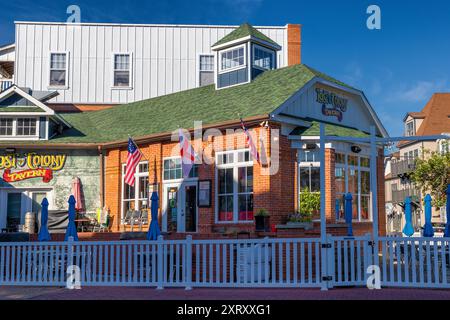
34, 165
338, 105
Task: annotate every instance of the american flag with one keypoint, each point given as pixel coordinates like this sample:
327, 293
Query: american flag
187, 154
134, 156
249, 140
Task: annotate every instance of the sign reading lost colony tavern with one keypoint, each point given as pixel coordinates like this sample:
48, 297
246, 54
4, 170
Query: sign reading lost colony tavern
338, 104
34, 166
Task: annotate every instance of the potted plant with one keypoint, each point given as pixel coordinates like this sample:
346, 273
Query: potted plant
262, 218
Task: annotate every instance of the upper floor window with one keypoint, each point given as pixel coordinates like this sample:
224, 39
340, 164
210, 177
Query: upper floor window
410, 131
206, 70
6, 127
58, 69
18, 127
122, 70
233, 58
26, 127
263, 58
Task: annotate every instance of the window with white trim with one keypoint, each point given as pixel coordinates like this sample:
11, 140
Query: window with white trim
26, 127
409, 129
444, 146
19, 127
122, 70
172, 169
136, 197
58, 69
206, 69
6, 126
309, 172
232, 58
234, 185
352, 174
263, 58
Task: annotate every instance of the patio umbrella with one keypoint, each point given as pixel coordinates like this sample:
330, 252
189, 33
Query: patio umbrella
71, 227
408, 230
428, 228
76, 191
43, 234
447, 225
348, 213
337, 208
153, 231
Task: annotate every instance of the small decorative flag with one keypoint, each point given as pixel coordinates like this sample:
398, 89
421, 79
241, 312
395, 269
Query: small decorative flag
187, 153
134, 156
249, 140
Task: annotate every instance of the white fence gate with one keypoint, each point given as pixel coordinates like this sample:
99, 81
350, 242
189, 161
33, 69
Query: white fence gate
403, 262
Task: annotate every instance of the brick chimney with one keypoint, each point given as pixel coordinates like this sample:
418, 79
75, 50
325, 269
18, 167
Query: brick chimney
294, 36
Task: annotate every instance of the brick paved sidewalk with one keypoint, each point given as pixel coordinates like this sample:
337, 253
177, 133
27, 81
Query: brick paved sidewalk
132, 293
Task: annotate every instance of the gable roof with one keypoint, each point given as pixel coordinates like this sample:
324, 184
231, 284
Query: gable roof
243, 31
331, 129
436, 117
164, 114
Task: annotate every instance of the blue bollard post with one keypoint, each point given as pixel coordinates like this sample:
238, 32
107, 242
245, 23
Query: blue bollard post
348, 213
408, 230
447, 224
428, 228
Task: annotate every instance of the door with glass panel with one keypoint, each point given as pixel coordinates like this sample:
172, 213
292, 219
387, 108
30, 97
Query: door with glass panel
188, 213
13, 211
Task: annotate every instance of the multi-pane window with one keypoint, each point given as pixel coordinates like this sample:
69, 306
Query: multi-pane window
352, 174
122, 70
206, 70
263, 58
136, 197
232, 58
410, 129
6, 127
26, 127
234, 186
58, 69
308, 172
172, 169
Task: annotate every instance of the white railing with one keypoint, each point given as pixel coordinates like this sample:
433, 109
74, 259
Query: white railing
415, 262
403, 262
165, 263
5, 84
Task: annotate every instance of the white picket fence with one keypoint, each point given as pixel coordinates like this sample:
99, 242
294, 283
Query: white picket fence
403, 262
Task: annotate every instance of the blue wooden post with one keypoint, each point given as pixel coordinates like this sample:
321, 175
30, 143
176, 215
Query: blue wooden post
337, 207
428, 228
348, 213
408, 230
447, 224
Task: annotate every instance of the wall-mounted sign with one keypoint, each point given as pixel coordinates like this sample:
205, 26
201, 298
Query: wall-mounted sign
332, 105
34, 166
204, 193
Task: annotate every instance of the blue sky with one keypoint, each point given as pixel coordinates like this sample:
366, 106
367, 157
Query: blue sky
398, 67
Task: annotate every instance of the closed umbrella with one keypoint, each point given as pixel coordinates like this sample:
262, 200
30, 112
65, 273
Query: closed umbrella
71, 227
348, 213
408, 230
428, 228
154, 231
447, 225
76, 191
43, 234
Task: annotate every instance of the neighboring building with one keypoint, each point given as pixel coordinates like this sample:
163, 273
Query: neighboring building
94, 65
7, 57
248, 83
434, 119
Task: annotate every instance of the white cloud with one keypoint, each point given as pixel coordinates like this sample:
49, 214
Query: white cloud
419, 91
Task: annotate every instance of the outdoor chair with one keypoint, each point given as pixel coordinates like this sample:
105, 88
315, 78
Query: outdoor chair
127, 219
135, 218
144, 218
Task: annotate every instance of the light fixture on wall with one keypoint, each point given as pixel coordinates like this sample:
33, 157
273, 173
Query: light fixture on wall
309, 146
10, 150
356, 149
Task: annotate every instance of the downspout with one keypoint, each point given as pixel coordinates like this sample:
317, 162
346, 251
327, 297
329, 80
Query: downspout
102, 177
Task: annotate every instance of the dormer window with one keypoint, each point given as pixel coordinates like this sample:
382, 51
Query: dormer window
232, 58
263, 58
26, 127
18, 127
409, 129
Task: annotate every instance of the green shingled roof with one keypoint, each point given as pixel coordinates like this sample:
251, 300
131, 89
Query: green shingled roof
166, 113
21, 109
330, 130
243, 31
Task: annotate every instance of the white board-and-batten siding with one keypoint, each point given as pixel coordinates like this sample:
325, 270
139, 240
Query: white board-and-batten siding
164, 57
